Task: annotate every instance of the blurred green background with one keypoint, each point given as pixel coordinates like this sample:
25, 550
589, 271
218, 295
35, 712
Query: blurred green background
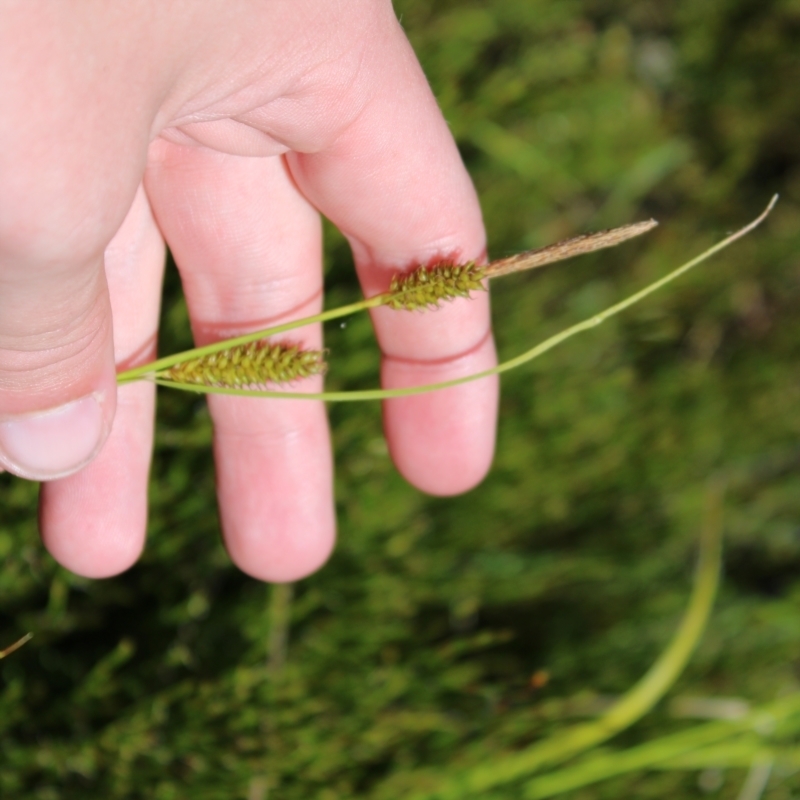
417, 644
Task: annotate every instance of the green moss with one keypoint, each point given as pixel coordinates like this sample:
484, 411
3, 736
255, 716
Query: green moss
414, 647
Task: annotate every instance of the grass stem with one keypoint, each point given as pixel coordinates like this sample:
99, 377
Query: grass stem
385, 394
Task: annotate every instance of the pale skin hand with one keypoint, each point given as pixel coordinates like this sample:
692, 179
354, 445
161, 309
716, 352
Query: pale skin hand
223, 128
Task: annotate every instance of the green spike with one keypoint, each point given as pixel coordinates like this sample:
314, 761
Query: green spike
251, 364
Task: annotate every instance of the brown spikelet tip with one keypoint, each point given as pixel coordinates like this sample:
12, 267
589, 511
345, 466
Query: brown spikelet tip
252, 364
425, 287
577, 245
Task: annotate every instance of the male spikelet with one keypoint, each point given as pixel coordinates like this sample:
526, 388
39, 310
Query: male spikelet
425, 287
253, 364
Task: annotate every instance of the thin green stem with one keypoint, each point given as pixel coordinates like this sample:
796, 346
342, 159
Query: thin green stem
280, 612
384, 394
713, 744
149, 370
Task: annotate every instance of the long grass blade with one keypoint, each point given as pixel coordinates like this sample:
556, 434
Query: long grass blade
632, 706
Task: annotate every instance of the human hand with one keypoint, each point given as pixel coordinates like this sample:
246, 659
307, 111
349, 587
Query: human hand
224, 129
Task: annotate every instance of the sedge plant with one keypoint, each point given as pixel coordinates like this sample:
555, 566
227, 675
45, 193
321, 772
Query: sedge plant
262, 363
256, 364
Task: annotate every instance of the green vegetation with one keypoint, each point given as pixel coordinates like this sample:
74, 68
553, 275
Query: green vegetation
446, 635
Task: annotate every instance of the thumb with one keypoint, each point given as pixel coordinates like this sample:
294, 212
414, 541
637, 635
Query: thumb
79, 91
57, 375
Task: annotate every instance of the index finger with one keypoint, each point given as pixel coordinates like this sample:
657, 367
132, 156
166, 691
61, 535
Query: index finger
393, 182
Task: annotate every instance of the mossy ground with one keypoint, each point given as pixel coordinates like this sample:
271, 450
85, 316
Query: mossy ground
416, 644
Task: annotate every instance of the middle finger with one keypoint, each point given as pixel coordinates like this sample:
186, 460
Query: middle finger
249, 250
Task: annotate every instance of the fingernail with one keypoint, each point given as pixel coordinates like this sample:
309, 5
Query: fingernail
52, 444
